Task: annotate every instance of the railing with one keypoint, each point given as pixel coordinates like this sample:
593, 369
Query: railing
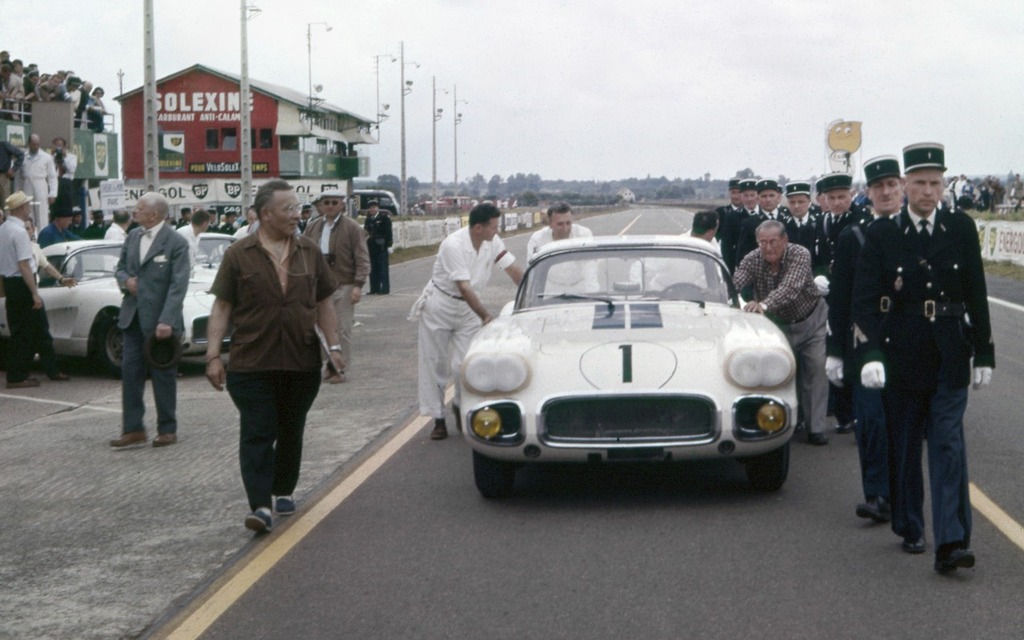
21, 111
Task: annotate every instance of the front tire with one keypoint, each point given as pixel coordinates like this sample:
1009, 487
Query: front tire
494, 478
107, 343
768, 472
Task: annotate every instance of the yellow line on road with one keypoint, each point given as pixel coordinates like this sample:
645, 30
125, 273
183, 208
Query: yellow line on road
1002, 520
219, 601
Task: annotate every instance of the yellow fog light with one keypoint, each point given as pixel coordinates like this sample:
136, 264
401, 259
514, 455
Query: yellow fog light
771, 417
486, 423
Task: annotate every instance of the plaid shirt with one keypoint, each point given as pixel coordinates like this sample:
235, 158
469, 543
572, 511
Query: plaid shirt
789, 295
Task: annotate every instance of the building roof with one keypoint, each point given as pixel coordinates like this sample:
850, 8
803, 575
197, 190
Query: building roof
285, 94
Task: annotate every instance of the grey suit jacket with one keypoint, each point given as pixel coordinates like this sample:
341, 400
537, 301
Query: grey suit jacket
163, 280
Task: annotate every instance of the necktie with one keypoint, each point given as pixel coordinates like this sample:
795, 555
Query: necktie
925, 236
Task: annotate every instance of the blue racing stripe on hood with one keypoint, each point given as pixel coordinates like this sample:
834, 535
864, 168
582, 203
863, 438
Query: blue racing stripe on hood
615, 320
645, 316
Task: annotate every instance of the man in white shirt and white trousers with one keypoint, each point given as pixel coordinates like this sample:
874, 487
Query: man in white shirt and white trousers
449, 310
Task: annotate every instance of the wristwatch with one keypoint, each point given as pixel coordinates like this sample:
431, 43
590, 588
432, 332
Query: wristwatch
335, 347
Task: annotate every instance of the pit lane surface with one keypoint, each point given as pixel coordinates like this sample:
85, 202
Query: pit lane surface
101, 544
661, 552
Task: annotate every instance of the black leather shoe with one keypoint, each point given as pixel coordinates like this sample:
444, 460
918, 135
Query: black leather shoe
957, 559
876, 509
817, 439
440, 431
846, 428
913, 546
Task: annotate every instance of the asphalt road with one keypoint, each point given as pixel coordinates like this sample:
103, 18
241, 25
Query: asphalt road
663, 552
101, 544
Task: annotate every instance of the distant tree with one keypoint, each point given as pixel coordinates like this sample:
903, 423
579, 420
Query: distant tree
413, 185
494, 185
528, 199
389, 182
477, 184
746, 173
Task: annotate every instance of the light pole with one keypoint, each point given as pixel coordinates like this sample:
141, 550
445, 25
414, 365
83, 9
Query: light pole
381, 108
456, 121
245, 165
406, 90
309, 57
436, 111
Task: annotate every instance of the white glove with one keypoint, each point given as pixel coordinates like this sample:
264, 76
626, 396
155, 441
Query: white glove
872, 376
391, 250
982, 376
834, 370
822, 283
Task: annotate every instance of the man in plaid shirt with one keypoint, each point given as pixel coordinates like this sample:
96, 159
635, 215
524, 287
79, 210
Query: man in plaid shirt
784, 290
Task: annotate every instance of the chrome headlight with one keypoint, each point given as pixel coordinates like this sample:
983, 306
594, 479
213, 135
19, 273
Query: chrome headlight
493, 373
760, 368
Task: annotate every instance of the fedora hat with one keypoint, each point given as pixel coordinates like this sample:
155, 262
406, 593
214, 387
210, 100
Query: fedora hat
16, 200
162, 354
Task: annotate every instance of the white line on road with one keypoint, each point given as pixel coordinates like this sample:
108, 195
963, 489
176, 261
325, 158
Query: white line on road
630, 225
1008, 305
73, 405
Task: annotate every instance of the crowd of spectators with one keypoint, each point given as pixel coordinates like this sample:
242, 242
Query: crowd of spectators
22, 84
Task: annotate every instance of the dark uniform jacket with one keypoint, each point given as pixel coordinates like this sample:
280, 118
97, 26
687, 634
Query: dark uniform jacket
839, 341
828, 232
731, 235
921, 308
804, 235
378, 232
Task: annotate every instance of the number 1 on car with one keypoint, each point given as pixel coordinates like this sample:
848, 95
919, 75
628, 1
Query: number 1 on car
627, 362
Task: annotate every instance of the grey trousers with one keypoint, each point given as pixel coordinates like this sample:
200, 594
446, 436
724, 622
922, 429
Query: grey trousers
807, 339
133, 386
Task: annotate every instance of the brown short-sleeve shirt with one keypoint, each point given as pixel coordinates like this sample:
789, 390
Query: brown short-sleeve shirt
273, 330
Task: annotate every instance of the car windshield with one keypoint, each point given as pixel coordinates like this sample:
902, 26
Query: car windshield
211, 249
621, 274
89, 264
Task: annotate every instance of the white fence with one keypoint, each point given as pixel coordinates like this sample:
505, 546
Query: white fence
1002, 240
417, 233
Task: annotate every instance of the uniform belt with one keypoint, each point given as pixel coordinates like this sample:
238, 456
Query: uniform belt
926, 308
445, 292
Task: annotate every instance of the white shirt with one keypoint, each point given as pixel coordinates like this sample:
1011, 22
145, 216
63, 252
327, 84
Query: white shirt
15, 246
115, 233
325, 234
147, 239
544, 236
37, 169
193, 242
70, 164
457, 260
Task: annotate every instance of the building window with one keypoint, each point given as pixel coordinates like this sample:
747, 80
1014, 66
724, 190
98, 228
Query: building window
289, 143
262, 139
213, 138
230, 138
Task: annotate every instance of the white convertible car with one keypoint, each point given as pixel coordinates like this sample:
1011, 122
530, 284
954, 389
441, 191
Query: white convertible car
83, 319
627, 349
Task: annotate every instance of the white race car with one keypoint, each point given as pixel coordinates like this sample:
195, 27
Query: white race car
627, 349
83, 319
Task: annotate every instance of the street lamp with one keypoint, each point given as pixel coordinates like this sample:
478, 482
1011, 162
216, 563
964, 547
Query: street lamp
406, 90
437, 116
456, 121
309, 57
381, 108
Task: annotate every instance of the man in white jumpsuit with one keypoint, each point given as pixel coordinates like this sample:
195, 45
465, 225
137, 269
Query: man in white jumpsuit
38, 179
449, 311
560, 227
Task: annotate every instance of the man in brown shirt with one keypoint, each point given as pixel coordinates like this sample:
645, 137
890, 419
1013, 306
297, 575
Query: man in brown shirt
784, 290
274, 288
343, 243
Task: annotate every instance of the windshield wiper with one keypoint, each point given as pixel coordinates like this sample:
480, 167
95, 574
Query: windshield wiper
576, 296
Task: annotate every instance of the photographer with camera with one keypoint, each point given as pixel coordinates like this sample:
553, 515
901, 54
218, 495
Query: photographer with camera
65, 163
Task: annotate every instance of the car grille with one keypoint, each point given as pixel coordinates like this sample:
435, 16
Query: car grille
628, 419
199, 330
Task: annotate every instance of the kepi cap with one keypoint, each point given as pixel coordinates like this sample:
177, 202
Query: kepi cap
748, 184
924, 155
767, 184
734, 183
798, 188
834, 181
881, 167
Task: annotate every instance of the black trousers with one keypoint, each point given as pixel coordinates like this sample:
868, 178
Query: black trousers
30, 333
272, 406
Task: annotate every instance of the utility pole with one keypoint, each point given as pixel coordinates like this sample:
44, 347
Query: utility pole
151, 132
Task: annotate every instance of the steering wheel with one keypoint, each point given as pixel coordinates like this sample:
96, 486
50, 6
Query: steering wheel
683, 291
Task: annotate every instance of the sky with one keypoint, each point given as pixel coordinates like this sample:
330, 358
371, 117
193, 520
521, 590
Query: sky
594, 90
